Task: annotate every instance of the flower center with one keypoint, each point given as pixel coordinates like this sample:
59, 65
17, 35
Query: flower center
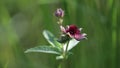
72, 32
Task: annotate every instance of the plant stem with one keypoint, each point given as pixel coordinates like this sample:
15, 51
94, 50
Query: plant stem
59, 66
62, 63
66, 49
65, 53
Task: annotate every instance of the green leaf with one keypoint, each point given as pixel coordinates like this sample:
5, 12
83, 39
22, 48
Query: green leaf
72, 43
44, 49
62, 57
51, 39
59, 57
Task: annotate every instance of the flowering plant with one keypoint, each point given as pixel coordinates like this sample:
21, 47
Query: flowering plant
69, 38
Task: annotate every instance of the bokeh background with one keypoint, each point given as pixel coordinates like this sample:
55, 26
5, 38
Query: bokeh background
22, 23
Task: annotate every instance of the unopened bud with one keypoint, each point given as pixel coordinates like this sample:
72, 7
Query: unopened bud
59, 13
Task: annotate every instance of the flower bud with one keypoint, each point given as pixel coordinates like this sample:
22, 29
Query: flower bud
59, 13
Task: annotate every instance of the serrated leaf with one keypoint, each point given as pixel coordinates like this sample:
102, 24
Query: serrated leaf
51, 38
44, 49
72, 43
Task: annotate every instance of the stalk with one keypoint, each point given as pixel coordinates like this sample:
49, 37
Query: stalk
62, 63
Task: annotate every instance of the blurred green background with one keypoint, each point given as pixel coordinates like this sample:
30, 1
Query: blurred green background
22, 23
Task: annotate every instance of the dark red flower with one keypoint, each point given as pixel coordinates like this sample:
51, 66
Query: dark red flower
74, 32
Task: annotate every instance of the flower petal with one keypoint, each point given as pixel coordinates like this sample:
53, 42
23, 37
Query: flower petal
84, 36
80, 36
80, 29
77, 36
